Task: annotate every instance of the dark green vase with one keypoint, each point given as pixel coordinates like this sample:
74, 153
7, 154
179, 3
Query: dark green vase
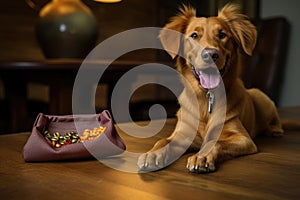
66, 29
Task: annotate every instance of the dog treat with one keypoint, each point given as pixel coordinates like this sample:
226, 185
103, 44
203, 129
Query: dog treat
57, 140
92, 134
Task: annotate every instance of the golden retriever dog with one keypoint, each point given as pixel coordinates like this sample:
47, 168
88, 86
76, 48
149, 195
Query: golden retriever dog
247, 113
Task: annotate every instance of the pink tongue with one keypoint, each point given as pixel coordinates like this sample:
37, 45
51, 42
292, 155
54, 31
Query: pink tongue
209, 80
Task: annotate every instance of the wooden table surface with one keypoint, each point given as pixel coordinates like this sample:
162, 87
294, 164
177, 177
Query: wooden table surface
273, 173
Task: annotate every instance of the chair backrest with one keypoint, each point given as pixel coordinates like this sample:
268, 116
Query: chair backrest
264, 69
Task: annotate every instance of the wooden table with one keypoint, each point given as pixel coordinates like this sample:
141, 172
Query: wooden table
59, 75
273, 173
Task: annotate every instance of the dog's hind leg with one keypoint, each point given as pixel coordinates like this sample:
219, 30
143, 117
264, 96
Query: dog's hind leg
266, 113
274, 127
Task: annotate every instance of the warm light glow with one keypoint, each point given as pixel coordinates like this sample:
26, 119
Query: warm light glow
108, 1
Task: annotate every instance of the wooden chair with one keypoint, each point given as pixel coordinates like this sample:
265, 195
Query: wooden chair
265, 68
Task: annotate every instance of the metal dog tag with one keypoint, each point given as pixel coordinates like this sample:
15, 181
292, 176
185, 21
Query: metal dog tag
211, 100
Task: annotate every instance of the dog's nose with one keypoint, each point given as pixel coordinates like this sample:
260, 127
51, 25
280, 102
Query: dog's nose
210, 55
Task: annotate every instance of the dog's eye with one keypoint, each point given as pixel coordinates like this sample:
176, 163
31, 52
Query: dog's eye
222, 35
195, 35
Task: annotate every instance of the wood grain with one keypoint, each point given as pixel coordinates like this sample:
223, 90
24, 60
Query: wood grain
273, 173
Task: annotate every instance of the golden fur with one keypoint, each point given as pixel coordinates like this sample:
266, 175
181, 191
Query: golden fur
248, 112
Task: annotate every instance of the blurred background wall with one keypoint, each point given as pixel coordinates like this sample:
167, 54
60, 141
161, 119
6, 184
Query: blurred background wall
290, 91
18, 42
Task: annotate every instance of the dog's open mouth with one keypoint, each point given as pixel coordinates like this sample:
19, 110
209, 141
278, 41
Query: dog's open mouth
209, 78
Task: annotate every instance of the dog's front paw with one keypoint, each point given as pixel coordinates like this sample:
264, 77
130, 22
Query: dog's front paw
199, 164
152, 161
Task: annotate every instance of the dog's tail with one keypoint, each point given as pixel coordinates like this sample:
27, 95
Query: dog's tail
290, 125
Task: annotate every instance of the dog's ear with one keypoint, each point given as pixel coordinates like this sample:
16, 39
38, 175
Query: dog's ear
170, 35
243, 30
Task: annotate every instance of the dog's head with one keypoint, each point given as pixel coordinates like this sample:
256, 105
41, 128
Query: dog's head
210, 45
